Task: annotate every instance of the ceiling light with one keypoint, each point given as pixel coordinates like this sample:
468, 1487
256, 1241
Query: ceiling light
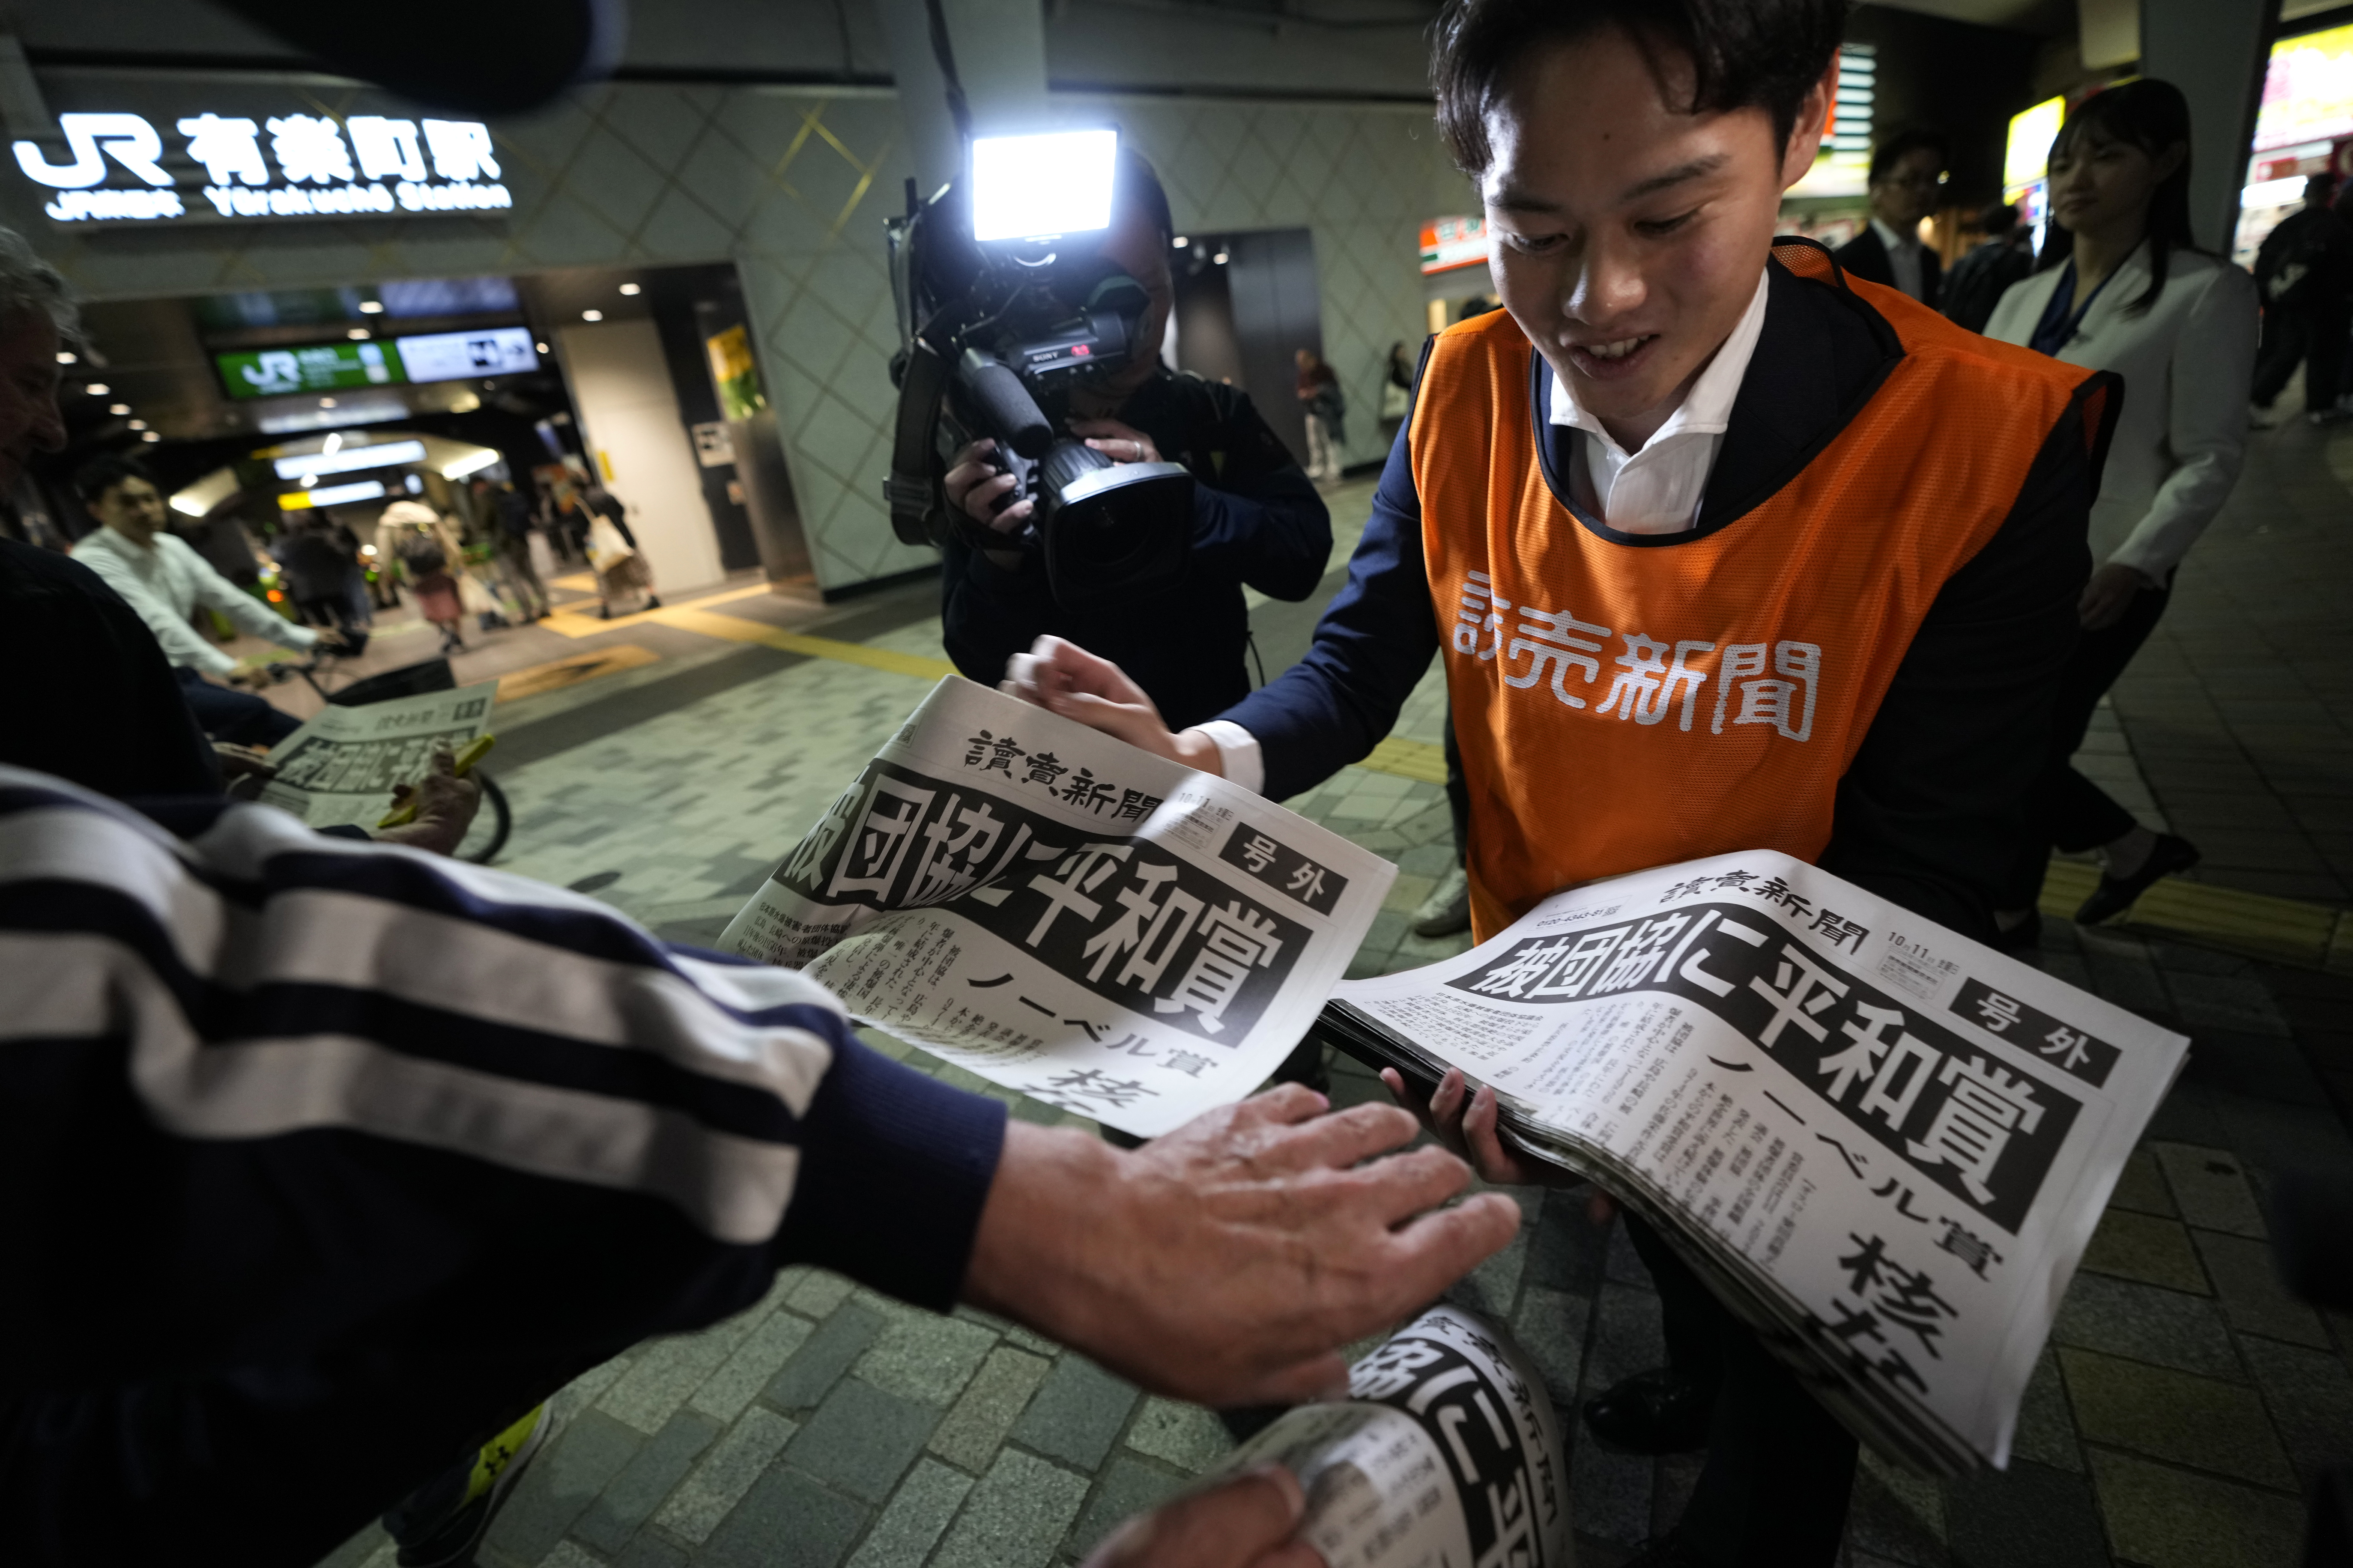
592, 315
139, 424
98, 389
334, 442
326, 403
149, 436
310, 479
541, 347
1220, 258
118, 408
307, 466
371, 307
629, 289
357, 334
67, 356
1180, 242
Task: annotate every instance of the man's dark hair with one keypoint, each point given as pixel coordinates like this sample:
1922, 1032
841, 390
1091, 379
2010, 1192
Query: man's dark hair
1744, 54
1135, 187
1998, 220
1895, 149
100, 475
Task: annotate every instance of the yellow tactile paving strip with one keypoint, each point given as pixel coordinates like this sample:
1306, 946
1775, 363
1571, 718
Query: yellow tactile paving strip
556, 674
2282, 930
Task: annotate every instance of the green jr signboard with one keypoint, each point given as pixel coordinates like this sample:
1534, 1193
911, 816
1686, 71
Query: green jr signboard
323, 367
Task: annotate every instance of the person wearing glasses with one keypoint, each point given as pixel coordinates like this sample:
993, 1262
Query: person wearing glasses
1907, 173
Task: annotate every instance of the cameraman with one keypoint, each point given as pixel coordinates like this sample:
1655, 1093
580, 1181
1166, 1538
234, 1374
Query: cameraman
1257, 521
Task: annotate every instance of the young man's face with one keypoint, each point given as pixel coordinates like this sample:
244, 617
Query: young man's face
1626, 235
133, 508
1907, 191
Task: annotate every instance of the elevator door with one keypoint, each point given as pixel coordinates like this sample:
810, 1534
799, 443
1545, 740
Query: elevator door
1270, 278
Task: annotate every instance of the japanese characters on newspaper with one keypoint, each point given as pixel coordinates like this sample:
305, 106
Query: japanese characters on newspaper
1447, 1452
1066, 915
342, 766
1882, 1143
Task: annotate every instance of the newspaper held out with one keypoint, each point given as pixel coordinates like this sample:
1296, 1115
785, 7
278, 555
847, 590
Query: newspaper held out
1066, 915
342, 766
1446, 1453
1882, 1143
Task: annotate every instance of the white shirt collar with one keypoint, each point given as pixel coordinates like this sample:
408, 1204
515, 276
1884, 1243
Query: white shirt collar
1891, 239
1706, 410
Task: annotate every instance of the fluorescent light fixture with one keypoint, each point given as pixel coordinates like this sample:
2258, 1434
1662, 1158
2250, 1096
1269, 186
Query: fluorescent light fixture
592, 315
357, 334
473, 462
2273, 192
1180, 243
1032, 187
139, 424
67, 356
149, 436
349, 459
326, 403
371, 307
334, 439
98, 389
330, 495
629, 289
188, 505
118, 408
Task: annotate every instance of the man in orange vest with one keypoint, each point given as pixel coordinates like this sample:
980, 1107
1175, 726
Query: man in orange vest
1722, 550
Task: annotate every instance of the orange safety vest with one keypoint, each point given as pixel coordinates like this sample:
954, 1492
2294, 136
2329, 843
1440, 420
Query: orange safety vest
1620, 706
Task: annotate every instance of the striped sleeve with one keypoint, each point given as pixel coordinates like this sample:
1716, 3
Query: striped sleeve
268, 1094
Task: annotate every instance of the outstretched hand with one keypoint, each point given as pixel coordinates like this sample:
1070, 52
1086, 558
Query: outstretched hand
1064, 678
1470, 1123
1226, 1262
1247, 1523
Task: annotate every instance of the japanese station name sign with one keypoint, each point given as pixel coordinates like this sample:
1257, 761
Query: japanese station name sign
283, 167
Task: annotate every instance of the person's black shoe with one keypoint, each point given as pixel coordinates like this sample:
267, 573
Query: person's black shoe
2115, 895
1659, 1412
2023, 937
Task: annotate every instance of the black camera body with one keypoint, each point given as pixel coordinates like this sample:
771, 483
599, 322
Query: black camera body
994, 337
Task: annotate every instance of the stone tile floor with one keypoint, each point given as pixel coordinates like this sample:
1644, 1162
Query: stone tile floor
2182, 1404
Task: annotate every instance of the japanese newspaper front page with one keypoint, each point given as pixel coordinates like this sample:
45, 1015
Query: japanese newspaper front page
342, 766
1883, 1143
1064, 914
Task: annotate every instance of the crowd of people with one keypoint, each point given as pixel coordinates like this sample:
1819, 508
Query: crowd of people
298, 1118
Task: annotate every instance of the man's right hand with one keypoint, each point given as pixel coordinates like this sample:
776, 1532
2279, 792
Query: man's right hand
974, 483
1246, 1523
1226, 1262
1064, 678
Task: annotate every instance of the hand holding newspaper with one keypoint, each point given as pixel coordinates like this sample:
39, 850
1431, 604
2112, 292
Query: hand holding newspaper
342, 766
1066, 915
1884, 1145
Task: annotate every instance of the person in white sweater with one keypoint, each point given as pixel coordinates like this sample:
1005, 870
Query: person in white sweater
2131, 295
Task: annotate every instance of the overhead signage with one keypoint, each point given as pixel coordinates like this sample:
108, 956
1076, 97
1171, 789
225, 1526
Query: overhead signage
334, 367
2027, 148
1448, 242
318, 367
454, 356
283, 167
2308, 89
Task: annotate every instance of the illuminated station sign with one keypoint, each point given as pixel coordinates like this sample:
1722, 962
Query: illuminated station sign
284, 166
336, 367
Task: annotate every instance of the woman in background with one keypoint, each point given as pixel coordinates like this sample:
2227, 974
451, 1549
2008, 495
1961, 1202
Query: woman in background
2125, 289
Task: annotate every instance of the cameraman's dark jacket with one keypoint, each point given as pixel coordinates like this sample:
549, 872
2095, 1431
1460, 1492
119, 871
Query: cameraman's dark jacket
1256, 520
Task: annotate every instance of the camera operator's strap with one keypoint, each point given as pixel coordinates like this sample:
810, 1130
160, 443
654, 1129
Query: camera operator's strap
910, 489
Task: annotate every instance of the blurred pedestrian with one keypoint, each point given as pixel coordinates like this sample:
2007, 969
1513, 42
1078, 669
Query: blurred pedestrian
427, 554
2133, 295
507, 517
1980, 280
1907, 173
1326, 407
2305, 271
318, 570
1397, 392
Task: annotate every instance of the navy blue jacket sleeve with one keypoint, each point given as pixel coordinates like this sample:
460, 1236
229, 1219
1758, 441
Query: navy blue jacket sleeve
1371, 649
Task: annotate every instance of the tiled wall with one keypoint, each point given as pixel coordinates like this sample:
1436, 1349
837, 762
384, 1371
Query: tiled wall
793, 185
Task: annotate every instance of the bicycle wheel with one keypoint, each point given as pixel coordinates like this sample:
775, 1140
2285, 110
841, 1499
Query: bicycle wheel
492, 825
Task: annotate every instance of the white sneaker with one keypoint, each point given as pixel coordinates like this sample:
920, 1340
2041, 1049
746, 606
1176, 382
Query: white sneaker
1447, 910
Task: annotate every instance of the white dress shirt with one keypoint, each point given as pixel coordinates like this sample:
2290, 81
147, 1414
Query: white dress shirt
1656, 489
166, 581
2182, 434
1903, 257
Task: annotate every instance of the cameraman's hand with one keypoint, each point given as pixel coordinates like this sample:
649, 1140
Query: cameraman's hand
1120, 443
1064, 678
974, 483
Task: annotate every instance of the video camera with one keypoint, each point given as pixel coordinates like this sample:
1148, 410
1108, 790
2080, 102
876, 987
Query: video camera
1005, 300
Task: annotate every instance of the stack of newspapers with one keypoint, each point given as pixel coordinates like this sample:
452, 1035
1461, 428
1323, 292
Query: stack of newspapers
1882, 1144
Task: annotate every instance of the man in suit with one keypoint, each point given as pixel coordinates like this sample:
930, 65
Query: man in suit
1908, 172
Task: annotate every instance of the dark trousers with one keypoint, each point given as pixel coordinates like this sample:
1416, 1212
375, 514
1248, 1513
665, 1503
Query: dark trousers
1773, 1492
2314, 336
2064, 810
238, 717
1458, 790
265, 1468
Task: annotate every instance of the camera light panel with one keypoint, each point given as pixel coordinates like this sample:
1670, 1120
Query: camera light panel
1028, 187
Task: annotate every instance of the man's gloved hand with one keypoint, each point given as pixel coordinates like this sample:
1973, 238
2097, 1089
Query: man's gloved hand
445, 804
